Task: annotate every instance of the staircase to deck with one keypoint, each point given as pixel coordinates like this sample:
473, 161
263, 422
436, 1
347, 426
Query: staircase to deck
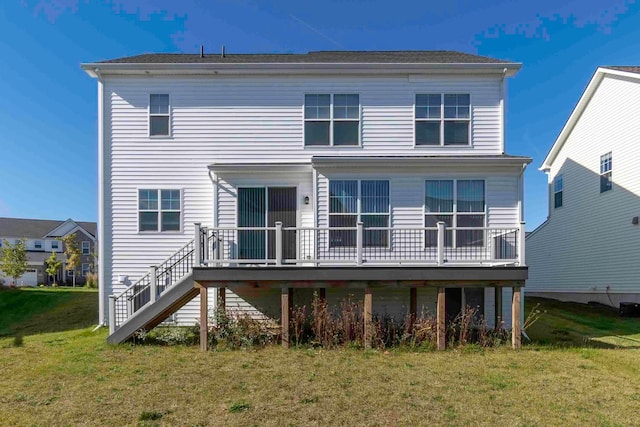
154, 297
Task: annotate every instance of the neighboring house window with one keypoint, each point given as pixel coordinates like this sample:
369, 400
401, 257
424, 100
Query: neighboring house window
86, 248
159, 210
71, 273
558, 187
37, 244
159, 117
606, 167
353, 201
54, 244
85, 268
459, 204
442, 119
331, 124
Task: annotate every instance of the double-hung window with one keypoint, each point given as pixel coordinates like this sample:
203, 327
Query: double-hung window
353, 201
606, 167
86, 248
86, 268
54, 244
459, 204
331, 120
37, 244
159, 116
442, 119
159, 210
558, 188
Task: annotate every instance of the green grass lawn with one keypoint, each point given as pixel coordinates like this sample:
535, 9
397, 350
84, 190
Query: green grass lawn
73, 377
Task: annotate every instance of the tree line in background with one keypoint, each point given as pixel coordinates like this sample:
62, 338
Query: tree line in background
13, 260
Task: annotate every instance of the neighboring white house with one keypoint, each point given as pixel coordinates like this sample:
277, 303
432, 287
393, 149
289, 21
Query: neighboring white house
588, 249
42, 237
321, 143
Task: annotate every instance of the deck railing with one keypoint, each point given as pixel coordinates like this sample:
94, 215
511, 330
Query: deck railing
362, 246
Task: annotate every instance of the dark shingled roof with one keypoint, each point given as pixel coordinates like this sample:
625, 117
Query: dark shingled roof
35, 228
627, 68
372, 57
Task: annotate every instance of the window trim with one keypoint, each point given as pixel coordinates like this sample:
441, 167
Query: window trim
358, 214
331, 120
442, 120
159, 231
454, 214
82, 247
561, 191
169, 114
609, 172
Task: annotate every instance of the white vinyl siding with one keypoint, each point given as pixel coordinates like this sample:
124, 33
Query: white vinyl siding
589, 246
249, 119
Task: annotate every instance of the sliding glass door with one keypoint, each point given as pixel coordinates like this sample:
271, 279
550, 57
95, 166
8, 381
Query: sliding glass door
263, 207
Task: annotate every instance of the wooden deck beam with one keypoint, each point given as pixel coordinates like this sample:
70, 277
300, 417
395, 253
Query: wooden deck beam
368, 317
285, 315
516, 332
204, 319
441, 330
413, 304
222, 298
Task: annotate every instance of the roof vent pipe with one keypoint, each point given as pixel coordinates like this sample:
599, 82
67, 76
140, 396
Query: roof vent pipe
222, 51
201, 51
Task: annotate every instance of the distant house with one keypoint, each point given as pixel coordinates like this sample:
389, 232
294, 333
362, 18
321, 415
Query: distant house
254, 174
588, 249
44, 237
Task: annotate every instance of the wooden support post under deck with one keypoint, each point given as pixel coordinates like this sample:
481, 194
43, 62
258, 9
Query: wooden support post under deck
413, 304
441, 330
322, 295
368, 316
516, 333
498, 304
285, 315
222, 299
204, 319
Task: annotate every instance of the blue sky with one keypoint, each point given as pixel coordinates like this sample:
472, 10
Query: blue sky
48, 107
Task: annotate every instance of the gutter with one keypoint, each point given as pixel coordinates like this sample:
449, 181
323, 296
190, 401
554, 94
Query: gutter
300, 68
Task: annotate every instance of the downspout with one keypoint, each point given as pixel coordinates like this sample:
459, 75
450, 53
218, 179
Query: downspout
101, 195
503, 93
521, 215
214, 180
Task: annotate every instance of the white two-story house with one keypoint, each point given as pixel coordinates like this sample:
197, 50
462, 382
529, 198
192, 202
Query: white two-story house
380, 174
589, 246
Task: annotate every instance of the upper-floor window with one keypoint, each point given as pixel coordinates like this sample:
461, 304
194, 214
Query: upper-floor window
331, 120
459, 204
159, 210
54, 244
86, 248
558, 187
606, 167
37, 244
159, 117
442, 119
353, 201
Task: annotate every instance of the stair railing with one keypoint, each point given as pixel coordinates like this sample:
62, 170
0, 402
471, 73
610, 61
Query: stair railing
153, 284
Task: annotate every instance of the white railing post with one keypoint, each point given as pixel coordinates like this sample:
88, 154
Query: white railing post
205, 245
278, 243
153, 280
521, 245
359, 242
217, 250
441, 231
197, 245
112, 314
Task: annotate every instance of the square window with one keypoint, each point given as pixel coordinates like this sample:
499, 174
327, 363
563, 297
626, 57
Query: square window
316, 133
345, 133
428, 133
456, 132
